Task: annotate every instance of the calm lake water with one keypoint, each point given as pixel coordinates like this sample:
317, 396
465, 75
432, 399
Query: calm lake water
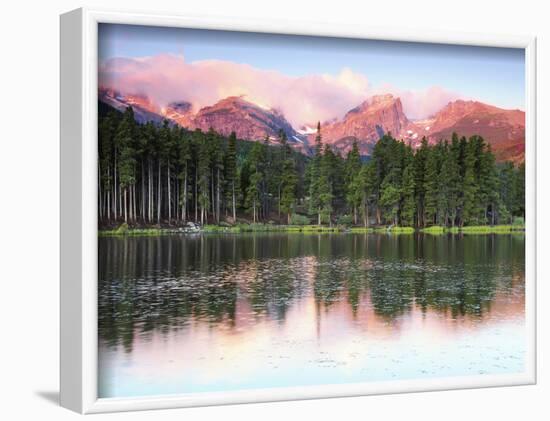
180, 314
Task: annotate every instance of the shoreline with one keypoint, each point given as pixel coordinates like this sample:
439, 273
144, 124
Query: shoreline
123, 231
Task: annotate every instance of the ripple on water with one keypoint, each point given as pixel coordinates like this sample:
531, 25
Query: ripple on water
314, 309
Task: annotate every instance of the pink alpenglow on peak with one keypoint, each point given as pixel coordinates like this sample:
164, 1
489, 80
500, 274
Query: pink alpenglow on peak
365, 124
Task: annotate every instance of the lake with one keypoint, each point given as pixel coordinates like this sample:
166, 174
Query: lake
216, 312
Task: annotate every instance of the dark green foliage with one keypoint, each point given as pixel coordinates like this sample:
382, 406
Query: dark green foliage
389, 200
470, 184
313, 172
353, 183
331, 183
297, 219
164, 175
432, 185
420, 161
367, 180
518, 207
408, 209
255, 164
288, 189
231, 174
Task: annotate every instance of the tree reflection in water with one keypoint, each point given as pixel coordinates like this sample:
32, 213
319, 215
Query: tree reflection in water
171, 282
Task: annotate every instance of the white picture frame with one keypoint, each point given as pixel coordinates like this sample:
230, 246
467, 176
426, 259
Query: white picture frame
78, 316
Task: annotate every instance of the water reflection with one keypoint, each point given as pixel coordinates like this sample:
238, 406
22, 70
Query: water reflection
328, 290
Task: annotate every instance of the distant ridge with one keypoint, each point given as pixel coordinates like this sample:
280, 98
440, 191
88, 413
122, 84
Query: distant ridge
503, 129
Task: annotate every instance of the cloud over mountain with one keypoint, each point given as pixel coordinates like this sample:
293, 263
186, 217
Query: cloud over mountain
166, 78
422, 104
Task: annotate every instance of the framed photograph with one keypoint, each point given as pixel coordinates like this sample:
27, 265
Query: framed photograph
263, 211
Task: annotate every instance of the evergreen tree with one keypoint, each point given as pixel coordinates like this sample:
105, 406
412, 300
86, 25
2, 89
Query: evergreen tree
289, 180
167, 157
267, 182
420, 160
231, 173
382, 157
368, 188
452, 173
314, 169
353, 181
325, 188
203, 177
106, 131
470, 210
431, 184
216, 172
126, 161
160, 173
253, 194
184, 158
488, 185
253, 190
389, 200
507, 192
408, 207
519, 202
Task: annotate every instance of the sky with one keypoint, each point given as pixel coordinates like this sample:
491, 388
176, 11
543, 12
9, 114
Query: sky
307, 78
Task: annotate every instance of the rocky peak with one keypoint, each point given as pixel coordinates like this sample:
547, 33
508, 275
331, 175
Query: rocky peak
247, 120
144, 109
365, 124
503, 129
376, 103
368, 122
180, 112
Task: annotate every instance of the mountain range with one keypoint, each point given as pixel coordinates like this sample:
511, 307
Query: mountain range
503, 129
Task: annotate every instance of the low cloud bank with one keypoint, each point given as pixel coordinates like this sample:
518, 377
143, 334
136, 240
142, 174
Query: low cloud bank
167, 78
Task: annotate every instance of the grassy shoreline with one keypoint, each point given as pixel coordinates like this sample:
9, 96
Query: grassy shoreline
475, 229
124, 230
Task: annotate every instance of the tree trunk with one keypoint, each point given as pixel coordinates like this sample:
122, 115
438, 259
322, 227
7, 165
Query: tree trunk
129, 189
159, 195
177, 200
125, 211
135, 201
196, 196
184, 204
366, 215
234, 204
115, 190
254, 210
279, 204
169, 193
150, 192
120, 199
100, 205
212, 198
218, 198
142, 210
